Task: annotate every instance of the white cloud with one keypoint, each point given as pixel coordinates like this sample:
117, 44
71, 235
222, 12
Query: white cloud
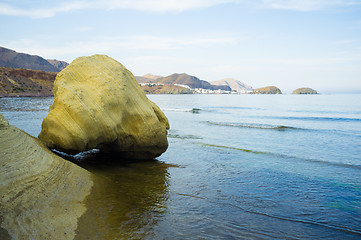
168, 43
8, 10
163, 65
142, 5
307, 5
344, 42
43, 45
162, 5
84, 29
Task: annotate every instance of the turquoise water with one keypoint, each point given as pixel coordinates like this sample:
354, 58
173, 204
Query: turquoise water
240, 167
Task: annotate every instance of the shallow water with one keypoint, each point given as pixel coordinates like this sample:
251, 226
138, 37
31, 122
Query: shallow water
242, 166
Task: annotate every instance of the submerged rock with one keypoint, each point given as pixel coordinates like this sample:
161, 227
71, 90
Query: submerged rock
267, 90
304, 91
99, 104
42, 195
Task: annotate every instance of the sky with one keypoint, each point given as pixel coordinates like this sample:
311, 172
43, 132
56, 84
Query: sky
285, 43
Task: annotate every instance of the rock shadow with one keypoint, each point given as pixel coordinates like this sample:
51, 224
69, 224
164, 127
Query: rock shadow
128, 198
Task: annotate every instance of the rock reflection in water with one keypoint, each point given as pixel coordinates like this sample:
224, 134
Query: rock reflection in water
128, 198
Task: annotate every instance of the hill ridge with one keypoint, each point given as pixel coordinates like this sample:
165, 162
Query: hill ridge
183, 79
13, 59
234, 84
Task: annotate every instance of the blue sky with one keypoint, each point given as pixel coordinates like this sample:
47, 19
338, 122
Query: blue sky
286, 43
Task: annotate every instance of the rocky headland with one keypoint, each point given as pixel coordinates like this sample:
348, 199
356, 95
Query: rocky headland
304, 91
267, 90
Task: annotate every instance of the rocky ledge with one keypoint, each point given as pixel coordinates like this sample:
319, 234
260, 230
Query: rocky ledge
42, 195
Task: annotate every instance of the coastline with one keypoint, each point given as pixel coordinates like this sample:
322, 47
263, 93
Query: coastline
26, 96
308, 165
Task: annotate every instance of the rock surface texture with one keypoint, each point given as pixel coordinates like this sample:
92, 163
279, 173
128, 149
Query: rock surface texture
42, 195
304, 91
99, 104
267, 90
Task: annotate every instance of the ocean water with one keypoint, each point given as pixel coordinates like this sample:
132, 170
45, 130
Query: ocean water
237, 167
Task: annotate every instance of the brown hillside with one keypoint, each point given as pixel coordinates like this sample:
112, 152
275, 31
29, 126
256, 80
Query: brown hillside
183, 79
58, 64
25, 83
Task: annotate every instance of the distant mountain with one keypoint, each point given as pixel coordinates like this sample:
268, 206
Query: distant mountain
151, 76
58, 64
182, 79
267, 90
147, 78
13, 59
16, 82
234, 84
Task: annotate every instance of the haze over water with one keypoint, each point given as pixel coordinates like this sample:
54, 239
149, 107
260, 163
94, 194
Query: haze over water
237, 166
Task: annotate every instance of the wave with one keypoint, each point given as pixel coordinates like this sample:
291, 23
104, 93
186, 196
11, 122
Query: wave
234, 148
346, 165
254, 125
332, 119
246, 209
187, 136
324, 112
281, 128
192, 110
234, 108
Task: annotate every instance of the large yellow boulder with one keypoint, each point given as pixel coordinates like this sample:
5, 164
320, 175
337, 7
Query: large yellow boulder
41, 195
99, 104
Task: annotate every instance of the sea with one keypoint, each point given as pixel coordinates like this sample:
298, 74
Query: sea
237, 167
